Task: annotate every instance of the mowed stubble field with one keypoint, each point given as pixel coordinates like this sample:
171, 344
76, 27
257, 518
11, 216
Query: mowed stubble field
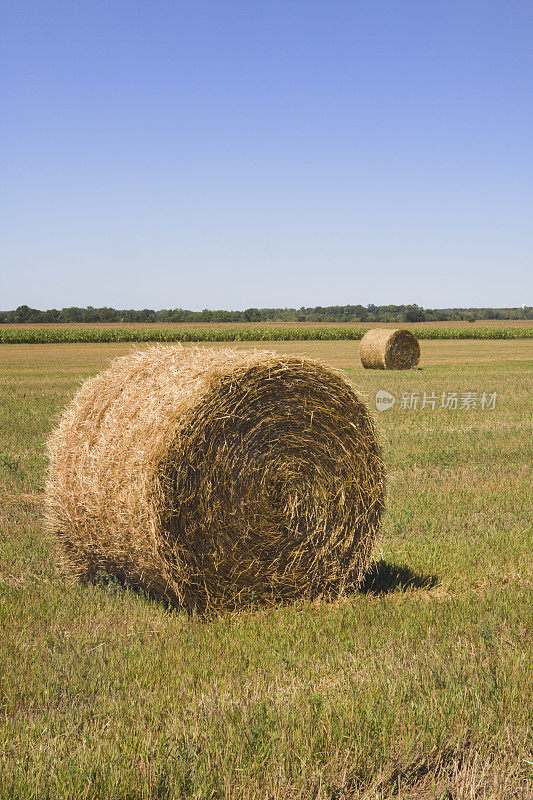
418, 686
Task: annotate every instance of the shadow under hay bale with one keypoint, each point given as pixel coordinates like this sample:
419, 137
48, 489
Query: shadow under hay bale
383, 348
383, 578
213, 478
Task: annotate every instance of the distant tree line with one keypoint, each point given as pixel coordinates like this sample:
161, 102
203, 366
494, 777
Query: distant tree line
358, 313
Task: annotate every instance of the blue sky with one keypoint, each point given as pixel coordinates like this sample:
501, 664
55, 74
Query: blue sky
211, 154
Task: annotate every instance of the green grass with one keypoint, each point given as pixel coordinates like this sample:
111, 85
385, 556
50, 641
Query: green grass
217, 333
419, 685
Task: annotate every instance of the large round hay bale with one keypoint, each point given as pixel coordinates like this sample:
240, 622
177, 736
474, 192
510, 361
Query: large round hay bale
215, 478
383, 348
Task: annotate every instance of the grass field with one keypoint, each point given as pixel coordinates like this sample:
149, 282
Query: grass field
418, 686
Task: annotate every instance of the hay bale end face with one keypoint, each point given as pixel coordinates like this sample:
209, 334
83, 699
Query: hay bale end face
214, 478
383, 348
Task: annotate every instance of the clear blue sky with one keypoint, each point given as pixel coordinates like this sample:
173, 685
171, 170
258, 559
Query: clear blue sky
228, 154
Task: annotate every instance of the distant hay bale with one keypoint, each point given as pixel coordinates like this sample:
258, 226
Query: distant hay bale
383, 348
214, 478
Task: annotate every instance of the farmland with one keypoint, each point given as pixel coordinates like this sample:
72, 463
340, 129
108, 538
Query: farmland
485, 323
107, 333
418, 686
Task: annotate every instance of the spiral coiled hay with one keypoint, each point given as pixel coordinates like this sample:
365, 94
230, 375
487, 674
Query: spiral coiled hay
214, 478
383, 348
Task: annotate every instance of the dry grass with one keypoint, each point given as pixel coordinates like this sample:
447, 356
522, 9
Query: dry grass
417, 687
385, 348
75, 361
216, 477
